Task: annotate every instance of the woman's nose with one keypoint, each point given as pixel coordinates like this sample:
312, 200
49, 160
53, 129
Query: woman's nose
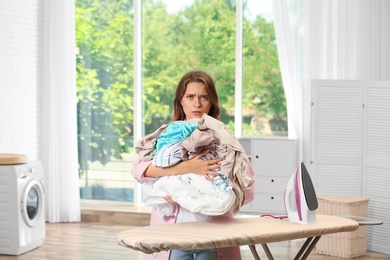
197, 102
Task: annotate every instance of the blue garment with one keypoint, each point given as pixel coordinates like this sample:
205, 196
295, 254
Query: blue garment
204, 254
175, 132
168, 155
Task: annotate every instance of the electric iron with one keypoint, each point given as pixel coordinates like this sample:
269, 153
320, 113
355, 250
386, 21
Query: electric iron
300, 199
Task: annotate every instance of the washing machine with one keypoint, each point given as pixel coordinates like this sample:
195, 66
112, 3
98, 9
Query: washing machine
22, 211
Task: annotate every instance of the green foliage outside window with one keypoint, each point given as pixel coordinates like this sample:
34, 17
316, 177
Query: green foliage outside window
202, 36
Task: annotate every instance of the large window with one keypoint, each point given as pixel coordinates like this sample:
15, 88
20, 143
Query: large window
176, 36
104, 35
264, 104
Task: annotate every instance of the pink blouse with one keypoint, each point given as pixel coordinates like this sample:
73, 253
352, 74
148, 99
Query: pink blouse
138, 171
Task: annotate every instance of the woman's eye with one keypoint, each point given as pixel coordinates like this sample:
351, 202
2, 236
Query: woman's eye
205, 98
190, 97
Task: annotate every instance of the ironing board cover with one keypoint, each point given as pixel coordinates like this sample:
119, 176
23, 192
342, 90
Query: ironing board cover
228, 232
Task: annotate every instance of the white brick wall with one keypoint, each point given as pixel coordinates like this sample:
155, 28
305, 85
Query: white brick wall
21, 77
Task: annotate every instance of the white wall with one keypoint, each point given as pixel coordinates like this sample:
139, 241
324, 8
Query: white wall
21, 77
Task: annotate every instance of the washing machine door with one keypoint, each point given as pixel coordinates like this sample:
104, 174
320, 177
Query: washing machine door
32, 203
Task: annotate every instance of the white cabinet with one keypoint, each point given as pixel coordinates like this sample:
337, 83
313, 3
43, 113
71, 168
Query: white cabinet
346, 144
273, 160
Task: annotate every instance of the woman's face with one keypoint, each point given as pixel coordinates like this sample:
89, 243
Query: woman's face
195, 101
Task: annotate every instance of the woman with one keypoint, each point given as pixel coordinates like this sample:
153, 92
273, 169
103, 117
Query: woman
195, 95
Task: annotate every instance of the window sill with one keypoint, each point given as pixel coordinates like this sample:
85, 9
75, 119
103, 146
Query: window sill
115, 206
122, 213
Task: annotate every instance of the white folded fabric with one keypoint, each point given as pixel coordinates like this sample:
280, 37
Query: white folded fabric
190, 191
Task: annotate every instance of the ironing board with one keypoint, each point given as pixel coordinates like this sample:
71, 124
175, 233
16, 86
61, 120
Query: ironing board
232, 232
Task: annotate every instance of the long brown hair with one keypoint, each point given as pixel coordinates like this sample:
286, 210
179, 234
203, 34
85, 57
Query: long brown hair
201, 77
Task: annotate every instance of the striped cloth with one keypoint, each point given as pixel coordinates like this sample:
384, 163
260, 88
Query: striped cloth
219, 233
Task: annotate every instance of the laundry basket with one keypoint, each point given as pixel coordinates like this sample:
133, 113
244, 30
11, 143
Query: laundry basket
345, 244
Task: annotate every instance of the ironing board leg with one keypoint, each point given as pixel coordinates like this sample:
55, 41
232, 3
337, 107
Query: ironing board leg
267, 252
254, 252
307, 247
303, 253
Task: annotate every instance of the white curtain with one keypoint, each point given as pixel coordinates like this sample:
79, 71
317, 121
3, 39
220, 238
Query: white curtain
60, 160
347, 39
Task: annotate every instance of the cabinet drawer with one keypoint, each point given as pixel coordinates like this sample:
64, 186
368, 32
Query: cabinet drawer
273, 203
271, 184
273, 157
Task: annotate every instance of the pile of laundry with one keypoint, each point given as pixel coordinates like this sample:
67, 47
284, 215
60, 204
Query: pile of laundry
183, 140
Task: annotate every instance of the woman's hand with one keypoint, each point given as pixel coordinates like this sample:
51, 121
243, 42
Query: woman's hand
170, 200
207, 168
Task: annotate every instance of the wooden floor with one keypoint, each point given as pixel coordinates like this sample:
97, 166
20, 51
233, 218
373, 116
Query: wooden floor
96, 241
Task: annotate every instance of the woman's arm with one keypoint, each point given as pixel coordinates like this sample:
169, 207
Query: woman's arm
195, 165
